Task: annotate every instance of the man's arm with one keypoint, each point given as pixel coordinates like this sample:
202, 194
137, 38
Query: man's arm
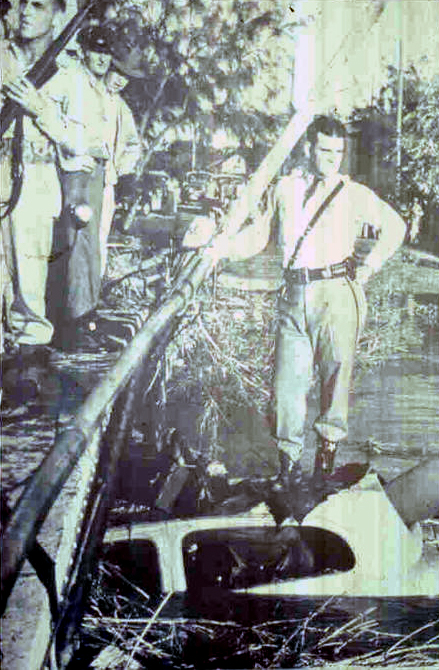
57, 109
127, 148
387, 221
45, 112
247, 242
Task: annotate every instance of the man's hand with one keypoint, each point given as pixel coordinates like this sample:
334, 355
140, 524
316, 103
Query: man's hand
23, 92
82, 164
200, 232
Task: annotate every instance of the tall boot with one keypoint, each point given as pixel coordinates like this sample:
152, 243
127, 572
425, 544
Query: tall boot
325, 459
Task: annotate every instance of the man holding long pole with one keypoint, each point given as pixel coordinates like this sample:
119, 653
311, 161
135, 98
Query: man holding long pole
321, 305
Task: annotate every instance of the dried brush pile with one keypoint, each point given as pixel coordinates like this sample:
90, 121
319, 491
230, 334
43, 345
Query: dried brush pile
131, 275
226, 349
127, 634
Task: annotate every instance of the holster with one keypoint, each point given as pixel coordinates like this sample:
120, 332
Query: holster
351, 263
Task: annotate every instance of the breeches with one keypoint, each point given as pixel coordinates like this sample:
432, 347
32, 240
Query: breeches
29, 229
318, 328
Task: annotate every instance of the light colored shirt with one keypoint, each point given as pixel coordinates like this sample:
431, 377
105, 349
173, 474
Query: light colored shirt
333, 237
105, 126
55, 122
123, 142
52, 131
91, 110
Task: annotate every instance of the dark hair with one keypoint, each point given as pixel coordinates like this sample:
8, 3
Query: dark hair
60, 4
327, 125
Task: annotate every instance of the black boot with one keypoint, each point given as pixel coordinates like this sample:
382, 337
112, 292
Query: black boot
290, 473
285, 496
325, 459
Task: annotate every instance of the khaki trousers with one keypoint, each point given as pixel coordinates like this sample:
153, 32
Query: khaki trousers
318, 328
30, 226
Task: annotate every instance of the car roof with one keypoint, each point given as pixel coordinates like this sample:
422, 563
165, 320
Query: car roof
199, 173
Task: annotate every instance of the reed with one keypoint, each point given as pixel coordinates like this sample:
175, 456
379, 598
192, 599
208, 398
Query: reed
141, 638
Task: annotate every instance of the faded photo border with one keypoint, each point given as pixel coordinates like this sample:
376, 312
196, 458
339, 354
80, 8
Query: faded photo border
138, 480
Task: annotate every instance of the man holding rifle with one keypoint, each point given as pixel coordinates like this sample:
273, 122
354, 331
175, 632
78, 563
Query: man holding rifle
321, 306
29, 158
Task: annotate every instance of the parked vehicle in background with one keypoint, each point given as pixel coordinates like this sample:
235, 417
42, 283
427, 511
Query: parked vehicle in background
199, 191
160, 193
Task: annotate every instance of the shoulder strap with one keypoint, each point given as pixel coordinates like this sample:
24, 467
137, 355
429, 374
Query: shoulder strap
329, 198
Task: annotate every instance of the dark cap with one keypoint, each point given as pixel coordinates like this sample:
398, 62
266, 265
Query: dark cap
95, 38
128, 62
5, 6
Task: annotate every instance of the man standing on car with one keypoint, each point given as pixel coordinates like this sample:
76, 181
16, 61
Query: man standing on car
321, 306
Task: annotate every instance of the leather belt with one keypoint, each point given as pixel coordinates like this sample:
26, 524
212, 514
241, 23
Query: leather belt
345, 268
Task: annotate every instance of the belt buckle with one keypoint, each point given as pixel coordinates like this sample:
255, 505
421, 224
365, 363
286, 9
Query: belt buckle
326, 272
305, 275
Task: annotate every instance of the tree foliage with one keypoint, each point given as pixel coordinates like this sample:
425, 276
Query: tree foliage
420, 129
208, 65
419, 141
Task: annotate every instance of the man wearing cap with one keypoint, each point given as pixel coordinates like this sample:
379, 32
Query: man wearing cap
28, 149
321, 303
88, 206
75, 279
125, 144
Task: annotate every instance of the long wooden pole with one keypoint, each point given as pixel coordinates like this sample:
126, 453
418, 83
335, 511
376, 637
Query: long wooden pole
251, 195
37, 498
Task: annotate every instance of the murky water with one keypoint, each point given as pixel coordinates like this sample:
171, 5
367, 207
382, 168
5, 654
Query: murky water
397, 405
393, 421
29, 429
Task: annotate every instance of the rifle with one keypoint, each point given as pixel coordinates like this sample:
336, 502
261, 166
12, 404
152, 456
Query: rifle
39, 74
45, 67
